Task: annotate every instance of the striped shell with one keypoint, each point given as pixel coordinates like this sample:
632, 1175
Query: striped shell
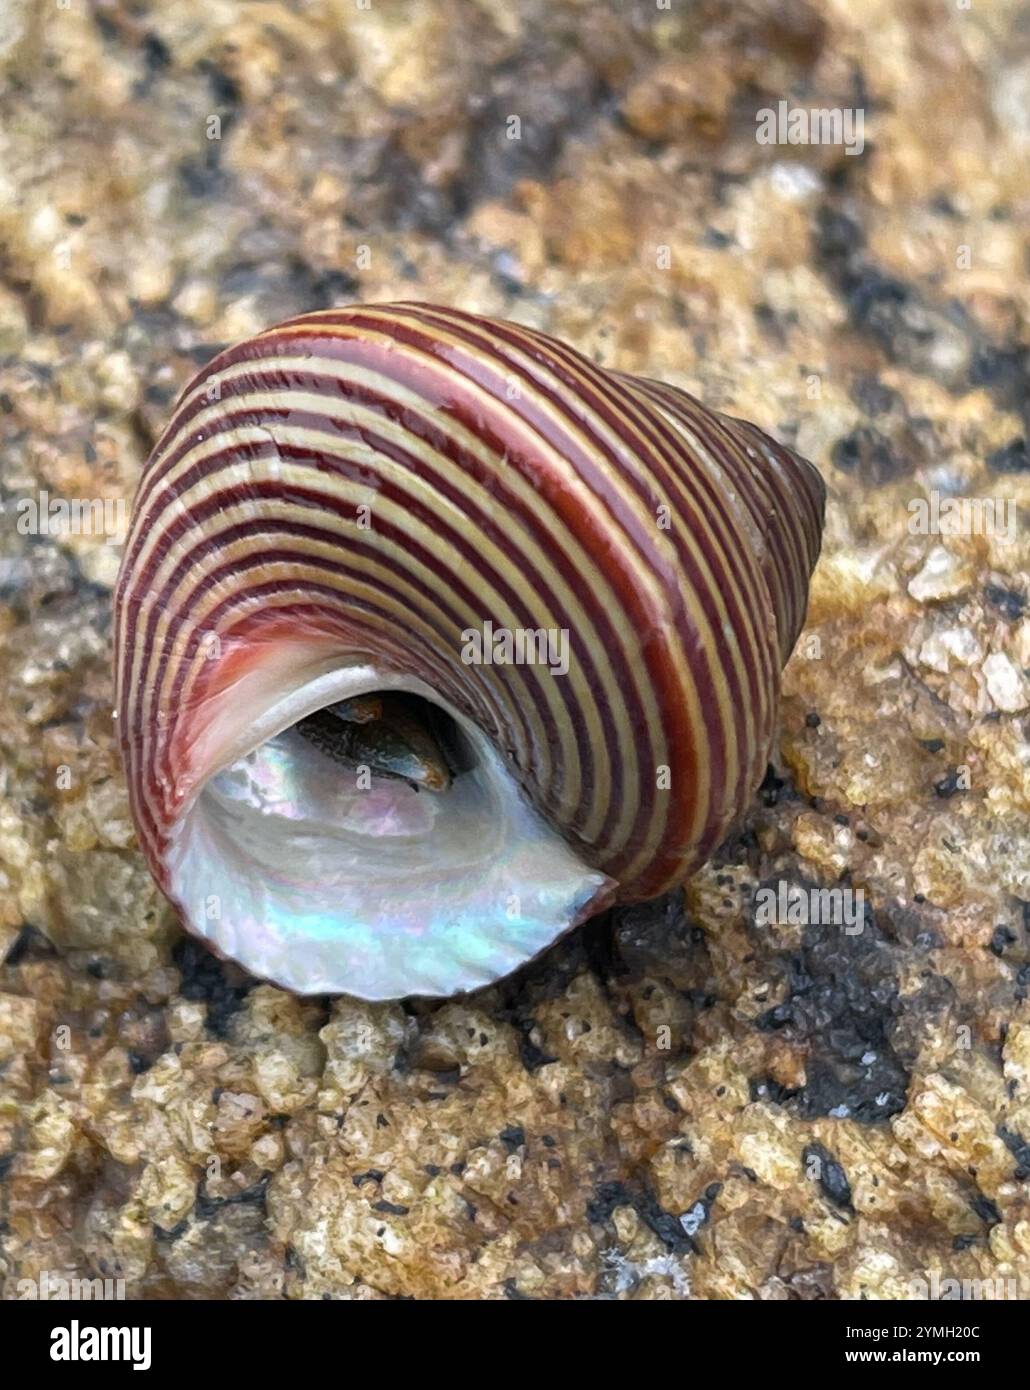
336, 504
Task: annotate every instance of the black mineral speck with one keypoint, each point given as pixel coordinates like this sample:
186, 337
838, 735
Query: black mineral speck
775, 788
874, 397
251, 1196
832, 1178
608, 1196
557, 95
647, 936
373, 1175
156, 53
986, 1210
1002, 938
29, 944
867, 454
842, 1002
667, 1227
1011, 604
203, 177
947, 786
1020, 1150
1012, 458
224, 89
219, 984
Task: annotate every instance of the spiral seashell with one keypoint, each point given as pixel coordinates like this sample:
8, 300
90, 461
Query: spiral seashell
363, 501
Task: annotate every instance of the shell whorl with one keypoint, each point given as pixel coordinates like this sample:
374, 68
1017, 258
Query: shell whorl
360, 487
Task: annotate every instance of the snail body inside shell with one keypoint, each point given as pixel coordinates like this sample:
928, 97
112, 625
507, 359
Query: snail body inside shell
386, 736
433, 638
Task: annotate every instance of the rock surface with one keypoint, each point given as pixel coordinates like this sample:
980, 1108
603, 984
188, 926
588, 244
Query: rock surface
681, 1100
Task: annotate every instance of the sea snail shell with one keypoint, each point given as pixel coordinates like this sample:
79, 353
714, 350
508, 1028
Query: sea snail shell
341, 505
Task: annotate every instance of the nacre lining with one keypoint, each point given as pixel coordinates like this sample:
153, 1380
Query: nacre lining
285, 865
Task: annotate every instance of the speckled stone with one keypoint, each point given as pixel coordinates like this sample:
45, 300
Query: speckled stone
679, 1101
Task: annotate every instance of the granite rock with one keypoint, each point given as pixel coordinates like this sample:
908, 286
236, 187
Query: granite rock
683, 1099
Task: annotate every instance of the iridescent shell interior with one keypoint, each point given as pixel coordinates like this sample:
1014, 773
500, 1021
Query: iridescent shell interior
283, 862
